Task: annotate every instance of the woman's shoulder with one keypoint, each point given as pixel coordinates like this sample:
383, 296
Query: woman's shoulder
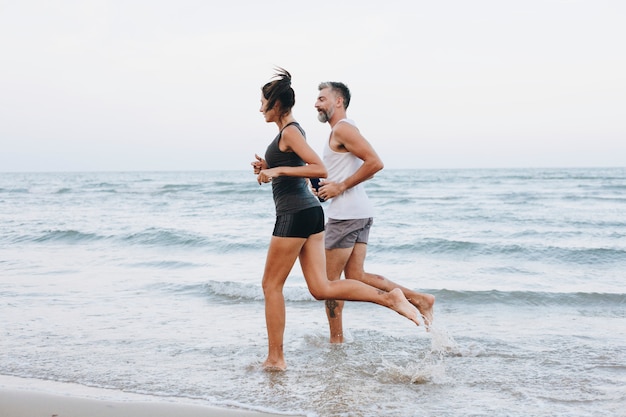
293, 130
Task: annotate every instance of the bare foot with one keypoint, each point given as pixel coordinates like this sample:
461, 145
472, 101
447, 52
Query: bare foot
424, 303
274, 366
402, 306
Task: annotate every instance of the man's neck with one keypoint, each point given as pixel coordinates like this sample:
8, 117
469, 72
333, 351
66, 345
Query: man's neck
337, 117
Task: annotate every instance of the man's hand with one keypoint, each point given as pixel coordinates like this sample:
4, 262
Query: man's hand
330, 189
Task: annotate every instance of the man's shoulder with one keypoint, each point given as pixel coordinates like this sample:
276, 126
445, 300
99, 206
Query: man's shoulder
345, 129
348, 120
343, 123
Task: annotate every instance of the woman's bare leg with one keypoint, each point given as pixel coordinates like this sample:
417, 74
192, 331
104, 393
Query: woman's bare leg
281, 256
312, 260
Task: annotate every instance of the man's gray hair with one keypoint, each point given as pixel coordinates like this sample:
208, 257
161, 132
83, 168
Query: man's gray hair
338, 88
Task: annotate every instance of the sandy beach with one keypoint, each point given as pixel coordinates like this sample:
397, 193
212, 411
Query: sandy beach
20, 397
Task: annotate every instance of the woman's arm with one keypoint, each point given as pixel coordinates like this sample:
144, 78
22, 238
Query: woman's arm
293, 141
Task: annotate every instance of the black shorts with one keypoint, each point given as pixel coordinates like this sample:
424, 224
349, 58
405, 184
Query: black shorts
302, 223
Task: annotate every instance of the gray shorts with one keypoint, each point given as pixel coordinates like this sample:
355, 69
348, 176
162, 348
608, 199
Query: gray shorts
346, 233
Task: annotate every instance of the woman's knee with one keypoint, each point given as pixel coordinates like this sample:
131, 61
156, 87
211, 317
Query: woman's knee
318, 293
271, 287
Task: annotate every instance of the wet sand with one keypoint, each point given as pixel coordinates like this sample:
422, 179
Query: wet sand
21, 397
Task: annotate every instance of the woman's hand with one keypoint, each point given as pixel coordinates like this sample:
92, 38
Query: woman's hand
258, 165
266, 175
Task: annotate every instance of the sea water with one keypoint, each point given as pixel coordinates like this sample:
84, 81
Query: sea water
149, 282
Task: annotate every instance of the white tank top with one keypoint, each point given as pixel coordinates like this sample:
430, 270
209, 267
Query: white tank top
352, 203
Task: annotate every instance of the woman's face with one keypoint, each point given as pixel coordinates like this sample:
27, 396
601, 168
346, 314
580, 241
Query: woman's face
270, 114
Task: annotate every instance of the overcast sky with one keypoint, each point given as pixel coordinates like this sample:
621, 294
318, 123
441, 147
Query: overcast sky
92, 85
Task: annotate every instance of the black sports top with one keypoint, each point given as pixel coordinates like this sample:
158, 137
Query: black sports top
291, 194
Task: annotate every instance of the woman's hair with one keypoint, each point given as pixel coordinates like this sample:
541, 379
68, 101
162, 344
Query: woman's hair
280, 91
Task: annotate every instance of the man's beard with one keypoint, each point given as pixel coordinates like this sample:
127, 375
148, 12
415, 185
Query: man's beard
324, 116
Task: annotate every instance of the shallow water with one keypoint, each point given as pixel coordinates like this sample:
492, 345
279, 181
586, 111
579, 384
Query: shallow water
150, 283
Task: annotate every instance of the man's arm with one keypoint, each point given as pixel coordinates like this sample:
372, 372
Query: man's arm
347, 138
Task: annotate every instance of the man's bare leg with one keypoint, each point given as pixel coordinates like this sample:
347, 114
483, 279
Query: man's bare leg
336, 260
422, 301
334, 309
350, 261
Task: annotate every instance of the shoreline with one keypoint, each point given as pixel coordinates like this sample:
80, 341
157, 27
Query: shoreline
26, 397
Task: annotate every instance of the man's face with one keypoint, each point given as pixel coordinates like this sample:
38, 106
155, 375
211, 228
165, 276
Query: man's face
325, 105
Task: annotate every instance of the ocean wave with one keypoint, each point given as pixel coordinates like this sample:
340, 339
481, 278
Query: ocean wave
102, 187
239, 291
614, 187
175, 288
66, 236
178, 188
164, 237
14, 190
597, 198
163, 264
243, 243
431, 246
215, 187
575, 255
593, 256
86, 189
152, 237
577, 299
395, 202
254, 292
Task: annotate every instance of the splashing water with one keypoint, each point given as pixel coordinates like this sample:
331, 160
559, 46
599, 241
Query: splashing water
433, 367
